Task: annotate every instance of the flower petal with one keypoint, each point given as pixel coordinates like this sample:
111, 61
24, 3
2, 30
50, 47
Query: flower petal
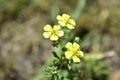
76, 46
72, 22
59, 17
65, 16
70, 26
75, 59
69, 46
47, 27
60, 33
81, 54
53, 37
62, 23
46, 34
56, 27
68, 54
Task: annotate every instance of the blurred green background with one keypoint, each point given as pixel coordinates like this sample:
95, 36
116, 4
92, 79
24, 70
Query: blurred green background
24, 51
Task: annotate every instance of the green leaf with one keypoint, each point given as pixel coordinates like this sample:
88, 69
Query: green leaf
69, 67
55, 55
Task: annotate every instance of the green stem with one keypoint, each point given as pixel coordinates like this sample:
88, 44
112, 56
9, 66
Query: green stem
80, 6
54, 9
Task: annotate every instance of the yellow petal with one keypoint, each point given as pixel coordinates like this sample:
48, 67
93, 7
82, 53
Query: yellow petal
53, 37
76, 46
46, 34
72, 22
56, 27
65, 16
59, 17
68, 54
69, 46
60, 33
81, 54
70, 26
75, 59
62, 23
47, 28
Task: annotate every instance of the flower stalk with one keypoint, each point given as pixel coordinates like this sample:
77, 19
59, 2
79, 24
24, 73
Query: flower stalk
67, 52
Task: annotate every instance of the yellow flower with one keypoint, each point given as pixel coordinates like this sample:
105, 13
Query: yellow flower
73, 52
52, 32
65, 20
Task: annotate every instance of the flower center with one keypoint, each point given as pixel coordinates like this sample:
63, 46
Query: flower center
67, 20
54, 32
75, 51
